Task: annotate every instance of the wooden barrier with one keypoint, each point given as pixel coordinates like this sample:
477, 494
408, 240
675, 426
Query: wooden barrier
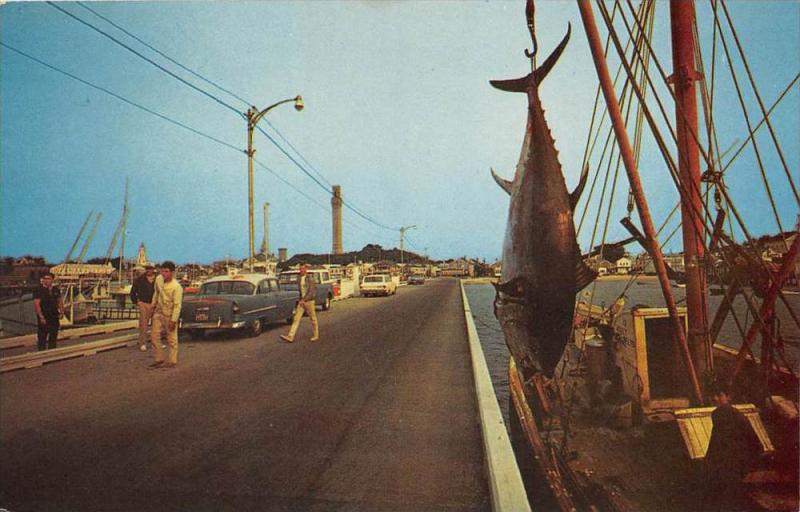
35, 359
66, 334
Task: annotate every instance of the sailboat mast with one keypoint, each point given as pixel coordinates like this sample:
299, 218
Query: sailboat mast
682, 16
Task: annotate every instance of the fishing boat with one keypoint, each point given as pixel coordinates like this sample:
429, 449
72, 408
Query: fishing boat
620, 408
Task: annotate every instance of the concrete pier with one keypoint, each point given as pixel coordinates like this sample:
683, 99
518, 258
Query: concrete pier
381, 414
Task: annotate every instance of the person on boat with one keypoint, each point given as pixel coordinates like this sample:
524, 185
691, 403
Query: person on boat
731, 451
308, 293
49, 307
142, 295
166, 303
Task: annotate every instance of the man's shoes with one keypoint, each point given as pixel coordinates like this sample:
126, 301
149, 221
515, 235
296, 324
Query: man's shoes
315, 338
143, 347
287, 339
169, 366
157, 364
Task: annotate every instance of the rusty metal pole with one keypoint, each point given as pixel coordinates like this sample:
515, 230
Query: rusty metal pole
654, 249
683, 78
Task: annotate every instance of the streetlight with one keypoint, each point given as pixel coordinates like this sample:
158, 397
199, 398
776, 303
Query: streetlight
402, 238
253, 117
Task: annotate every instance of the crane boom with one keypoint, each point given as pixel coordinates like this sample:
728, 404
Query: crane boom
89, 238
78, 238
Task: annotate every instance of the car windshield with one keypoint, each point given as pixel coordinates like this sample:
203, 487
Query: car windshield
288, 278
228, 288
373, 279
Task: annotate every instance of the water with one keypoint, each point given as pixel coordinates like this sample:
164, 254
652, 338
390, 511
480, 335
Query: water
641, 292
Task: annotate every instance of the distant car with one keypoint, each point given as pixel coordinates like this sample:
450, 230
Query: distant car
378, 284
325, 285
416, 280
243, 301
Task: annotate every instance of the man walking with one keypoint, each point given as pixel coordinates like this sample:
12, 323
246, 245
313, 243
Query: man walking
142, 295
308, 293
166, 302
49, 308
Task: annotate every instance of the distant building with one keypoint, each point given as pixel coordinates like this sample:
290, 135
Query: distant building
623, 266
461, 267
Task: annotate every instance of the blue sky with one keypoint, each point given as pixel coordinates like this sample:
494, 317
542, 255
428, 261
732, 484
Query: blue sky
398, 112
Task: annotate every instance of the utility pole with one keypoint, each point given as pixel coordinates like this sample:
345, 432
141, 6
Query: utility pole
402, 239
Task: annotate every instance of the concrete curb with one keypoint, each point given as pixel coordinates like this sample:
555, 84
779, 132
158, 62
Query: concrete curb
505, 482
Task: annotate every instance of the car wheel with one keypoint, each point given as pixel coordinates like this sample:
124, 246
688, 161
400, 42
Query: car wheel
197, 334
327, 304
255, 327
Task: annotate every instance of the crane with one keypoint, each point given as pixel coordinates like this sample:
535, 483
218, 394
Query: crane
123, 221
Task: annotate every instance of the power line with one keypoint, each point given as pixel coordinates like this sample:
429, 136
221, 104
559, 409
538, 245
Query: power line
216, 99
128, 33
162, 68
117, 96
166, 118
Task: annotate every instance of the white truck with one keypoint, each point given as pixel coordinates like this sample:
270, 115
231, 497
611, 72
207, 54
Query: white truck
378, 284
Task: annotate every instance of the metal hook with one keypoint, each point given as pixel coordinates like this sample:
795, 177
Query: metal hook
530, 13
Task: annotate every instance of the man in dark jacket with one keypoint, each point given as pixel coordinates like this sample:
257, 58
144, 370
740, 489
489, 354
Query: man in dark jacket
142, 295
732, 449
308, 294
49, 308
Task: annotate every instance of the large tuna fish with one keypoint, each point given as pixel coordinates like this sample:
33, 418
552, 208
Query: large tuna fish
542, 264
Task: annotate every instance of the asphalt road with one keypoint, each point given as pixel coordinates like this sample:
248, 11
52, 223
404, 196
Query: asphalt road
378, 415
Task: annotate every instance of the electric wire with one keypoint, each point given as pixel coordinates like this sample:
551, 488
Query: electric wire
157, 65
213, 97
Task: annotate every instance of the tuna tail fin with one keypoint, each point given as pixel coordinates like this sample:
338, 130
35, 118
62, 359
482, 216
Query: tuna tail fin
535, 78
504, 184
575, 196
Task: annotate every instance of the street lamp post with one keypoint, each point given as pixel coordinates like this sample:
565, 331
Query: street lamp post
253, 117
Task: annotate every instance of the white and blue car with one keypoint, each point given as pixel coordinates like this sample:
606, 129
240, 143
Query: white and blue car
244, 301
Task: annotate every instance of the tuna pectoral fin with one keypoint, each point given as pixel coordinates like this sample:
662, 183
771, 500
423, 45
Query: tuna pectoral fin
583, 275
575, 196
504, 184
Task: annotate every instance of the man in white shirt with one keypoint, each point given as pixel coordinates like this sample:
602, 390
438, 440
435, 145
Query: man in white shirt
166, 311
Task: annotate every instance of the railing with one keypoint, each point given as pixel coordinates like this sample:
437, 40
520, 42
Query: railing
66, 334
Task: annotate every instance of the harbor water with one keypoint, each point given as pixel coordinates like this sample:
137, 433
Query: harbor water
642, 292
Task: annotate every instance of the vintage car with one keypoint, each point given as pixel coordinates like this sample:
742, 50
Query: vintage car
243, 301
416, 279
378, 284
325, 285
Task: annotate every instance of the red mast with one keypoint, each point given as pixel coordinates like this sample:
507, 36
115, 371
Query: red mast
682, 17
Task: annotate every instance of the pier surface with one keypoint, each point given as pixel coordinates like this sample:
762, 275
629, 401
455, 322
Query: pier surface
379, 415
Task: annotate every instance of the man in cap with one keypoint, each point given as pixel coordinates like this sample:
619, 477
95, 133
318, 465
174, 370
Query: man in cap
166, 302
308, 293
142, 295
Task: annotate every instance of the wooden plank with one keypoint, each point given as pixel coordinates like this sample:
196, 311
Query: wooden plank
35, 359
65, 334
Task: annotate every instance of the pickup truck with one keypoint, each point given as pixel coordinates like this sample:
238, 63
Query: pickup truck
288, 281
378, 284
243, 301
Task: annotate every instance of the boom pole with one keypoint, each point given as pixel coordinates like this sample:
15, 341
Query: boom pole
78, 238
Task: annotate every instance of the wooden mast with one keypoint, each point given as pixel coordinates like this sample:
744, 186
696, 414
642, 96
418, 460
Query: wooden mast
682, 15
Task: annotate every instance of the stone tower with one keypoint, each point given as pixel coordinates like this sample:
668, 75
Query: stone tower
336, 209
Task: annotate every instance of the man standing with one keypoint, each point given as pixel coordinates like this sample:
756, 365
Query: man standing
167, 299
49, 308
142, 295
308, 293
